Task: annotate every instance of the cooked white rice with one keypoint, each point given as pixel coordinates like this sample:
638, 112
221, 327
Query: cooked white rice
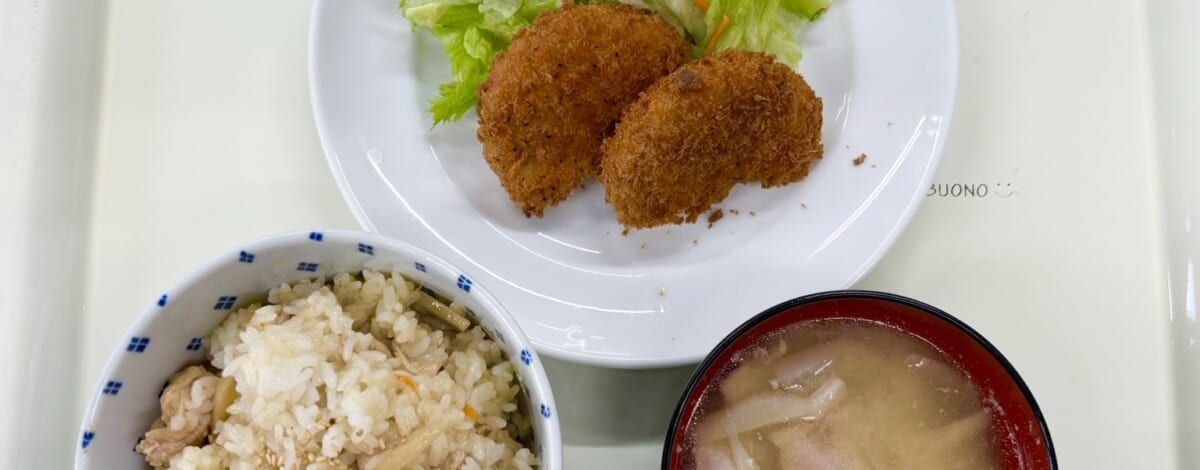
315, 389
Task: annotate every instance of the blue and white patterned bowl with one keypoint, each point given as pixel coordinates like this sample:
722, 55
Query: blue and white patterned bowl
171, 333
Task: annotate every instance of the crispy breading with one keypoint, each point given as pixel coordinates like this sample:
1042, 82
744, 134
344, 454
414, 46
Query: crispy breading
736, 117
550, 100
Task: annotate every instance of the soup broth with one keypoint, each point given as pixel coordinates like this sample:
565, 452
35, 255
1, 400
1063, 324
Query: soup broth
840, 395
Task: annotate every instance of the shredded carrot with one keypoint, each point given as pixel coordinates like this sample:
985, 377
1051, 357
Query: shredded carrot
407, 380
470, 412
712, 42
702, 4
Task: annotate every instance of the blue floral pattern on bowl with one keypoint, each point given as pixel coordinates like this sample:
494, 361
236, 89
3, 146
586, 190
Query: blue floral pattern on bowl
138, 344
225, 302
113, 387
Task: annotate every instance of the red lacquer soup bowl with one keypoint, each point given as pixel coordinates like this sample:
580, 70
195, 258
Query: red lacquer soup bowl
1021, 435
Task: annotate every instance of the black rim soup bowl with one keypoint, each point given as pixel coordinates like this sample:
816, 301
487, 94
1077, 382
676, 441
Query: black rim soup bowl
1022, 437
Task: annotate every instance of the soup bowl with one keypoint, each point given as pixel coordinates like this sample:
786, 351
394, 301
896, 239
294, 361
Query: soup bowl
174, 331
1021, 435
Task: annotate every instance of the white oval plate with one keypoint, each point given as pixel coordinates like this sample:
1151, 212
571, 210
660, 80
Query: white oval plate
887, 72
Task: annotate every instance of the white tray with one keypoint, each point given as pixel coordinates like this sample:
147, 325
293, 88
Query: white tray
141, 137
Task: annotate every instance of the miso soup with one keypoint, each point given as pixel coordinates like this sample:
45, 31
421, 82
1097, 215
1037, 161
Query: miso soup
840, 395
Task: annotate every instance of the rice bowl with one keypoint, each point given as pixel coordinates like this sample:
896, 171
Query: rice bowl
343, 367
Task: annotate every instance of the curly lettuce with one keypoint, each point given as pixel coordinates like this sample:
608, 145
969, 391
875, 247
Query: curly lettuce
471, 33
770, 26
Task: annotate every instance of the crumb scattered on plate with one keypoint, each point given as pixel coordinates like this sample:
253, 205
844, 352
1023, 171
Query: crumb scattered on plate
715, 216
860, 159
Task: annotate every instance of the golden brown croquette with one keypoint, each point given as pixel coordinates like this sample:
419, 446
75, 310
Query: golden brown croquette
736, 117
552, 98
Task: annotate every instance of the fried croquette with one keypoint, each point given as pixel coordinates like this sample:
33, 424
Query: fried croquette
736, 117
552, 98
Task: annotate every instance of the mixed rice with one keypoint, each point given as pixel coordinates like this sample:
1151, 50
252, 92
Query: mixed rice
353, 374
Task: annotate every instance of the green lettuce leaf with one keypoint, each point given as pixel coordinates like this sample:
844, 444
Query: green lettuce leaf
770, 26
471, 33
